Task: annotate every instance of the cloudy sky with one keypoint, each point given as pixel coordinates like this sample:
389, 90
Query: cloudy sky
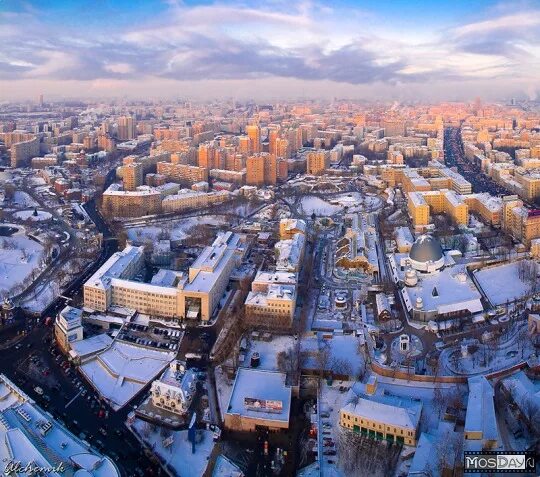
401, 49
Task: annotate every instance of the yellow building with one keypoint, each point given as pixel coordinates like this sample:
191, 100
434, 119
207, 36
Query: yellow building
261, 169
382, 416
170, 294
254, 134
422, 204
132, 176
488, 207
182, 172
317, 162
120, 203
288, 228
188, 199
418, 209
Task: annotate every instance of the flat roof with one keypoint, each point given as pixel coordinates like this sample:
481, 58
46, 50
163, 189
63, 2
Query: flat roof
263, 385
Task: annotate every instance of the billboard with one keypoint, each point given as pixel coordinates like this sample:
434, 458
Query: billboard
263, 405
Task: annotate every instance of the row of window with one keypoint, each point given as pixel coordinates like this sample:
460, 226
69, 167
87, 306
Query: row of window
379, 426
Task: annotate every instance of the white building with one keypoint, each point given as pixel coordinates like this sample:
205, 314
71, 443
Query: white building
68, 327
175, 389
480, 430
290, 253
436, 288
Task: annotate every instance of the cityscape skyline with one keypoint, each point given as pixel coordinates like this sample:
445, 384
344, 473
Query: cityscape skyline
399, 51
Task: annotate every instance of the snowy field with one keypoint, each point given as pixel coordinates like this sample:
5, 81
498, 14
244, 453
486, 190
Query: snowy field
269, 350
19, 256
175, 230
5, 176
343, 354
29, 215
22, 199
318, 206
179, 455
502, 283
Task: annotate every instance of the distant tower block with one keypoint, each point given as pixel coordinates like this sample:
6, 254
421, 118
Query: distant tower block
404, 343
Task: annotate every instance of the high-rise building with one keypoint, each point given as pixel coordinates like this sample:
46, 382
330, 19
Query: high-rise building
126, 128
318, 161
273, 136
132, 176
282, 148
22, 152
243, 145
254, 134
205, 155
261, 169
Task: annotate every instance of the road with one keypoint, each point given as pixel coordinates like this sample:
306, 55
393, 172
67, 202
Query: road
455, 157
77, 413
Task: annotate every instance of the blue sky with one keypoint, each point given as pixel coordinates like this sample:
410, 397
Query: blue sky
277, 48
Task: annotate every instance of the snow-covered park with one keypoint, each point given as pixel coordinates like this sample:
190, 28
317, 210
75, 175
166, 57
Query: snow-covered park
315, 205
33, 215
19, 257
176, 230
503, 283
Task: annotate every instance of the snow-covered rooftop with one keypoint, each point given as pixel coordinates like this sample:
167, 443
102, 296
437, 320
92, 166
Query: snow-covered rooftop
29, 435
263, 385
123, 370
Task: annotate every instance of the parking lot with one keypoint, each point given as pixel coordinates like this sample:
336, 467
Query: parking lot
42, 372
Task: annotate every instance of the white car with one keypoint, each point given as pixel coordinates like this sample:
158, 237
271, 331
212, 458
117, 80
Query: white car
38, 390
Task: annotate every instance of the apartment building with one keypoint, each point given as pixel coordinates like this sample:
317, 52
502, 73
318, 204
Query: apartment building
23, 151
422, 204
489, 208
182, 172
317, 162
261, 169
519, 221
132, 176
189, 199
142, 201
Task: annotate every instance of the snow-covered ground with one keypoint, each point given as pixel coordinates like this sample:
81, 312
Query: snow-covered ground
19, 256
23, 200
30, 215
224, 387
503, 283
312, 204
42, 297
178, 456
269, 350
5, 176
343, 354
175, 230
